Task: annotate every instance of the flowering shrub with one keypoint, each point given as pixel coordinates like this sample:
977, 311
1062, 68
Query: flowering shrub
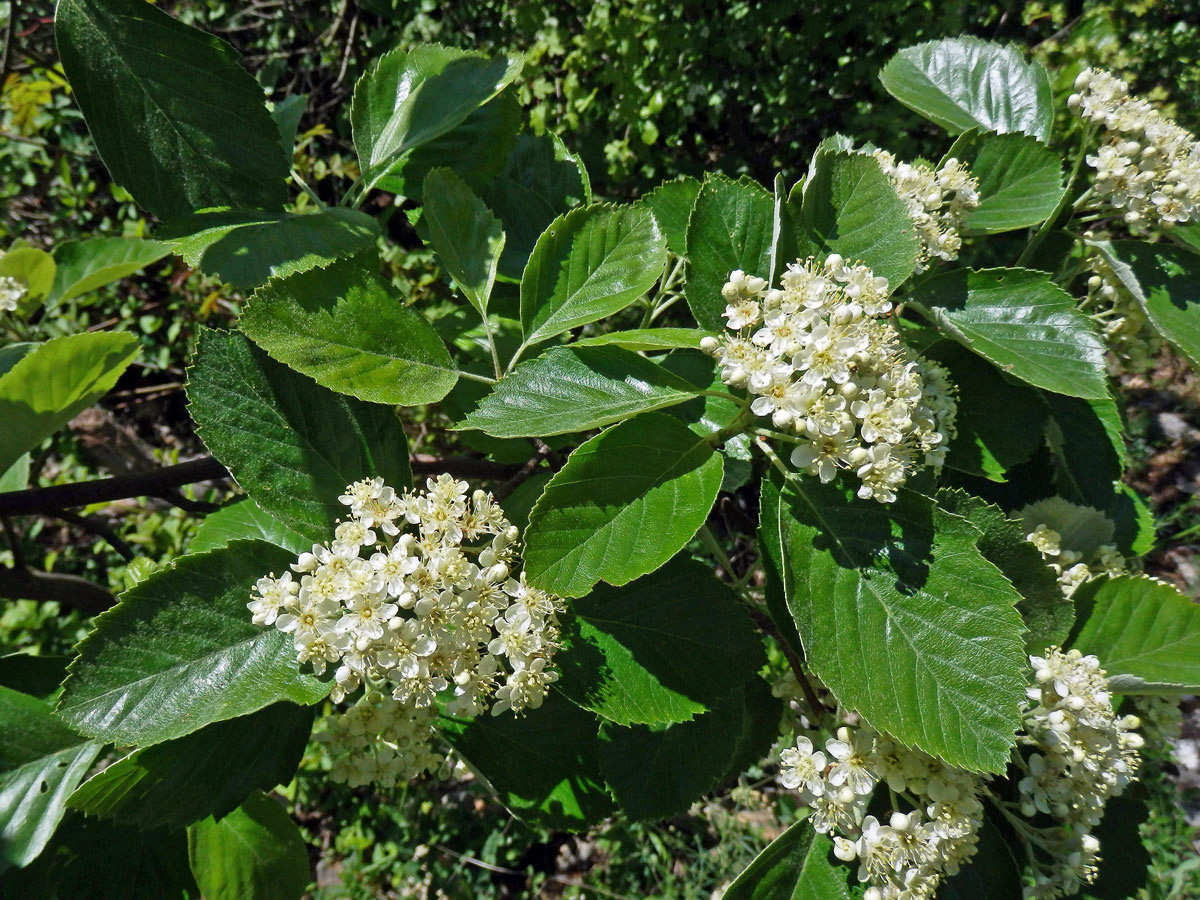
917, 452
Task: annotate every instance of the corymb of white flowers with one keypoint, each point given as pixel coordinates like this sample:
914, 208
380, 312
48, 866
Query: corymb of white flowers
833, 376
1080, 755
1148, 165
11, 292
938, 201
419, 600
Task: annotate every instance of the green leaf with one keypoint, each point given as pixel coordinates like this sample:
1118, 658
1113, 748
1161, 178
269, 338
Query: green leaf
287, 114
255, 851
1165, 281
103, 861
625, 502
476, 151
1022, 322
33, 268
961, 83
206, 773
1145, 633
245, 521
16, 476
794, 866
1048, 615
850, 207
662, 649
86, 265
248, 248
1020, 180
541, 180
290, 443
946, 667
575, 388
1089, 452
179, 652
589, 264
640, 339
729, 229
348, 329
41, 762
38, 676
657, 772
11, 354
54, 383
177, 121
409, 98
464, 233
672, 204
544, 766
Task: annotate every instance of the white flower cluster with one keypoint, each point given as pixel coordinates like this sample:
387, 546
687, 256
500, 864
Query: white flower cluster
938, 200
417, 596
1127, 331
380, 741
1075, 541
1148, 166
825, 366
11, 292
905, 858
1083, 754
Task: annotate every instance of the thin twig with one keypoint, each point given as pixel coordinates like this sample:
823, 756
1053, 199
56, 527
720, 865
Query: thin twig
95, 526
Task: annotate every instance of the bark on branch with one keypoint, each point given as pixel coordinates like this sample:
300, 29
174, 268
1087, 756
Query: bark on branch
69, 590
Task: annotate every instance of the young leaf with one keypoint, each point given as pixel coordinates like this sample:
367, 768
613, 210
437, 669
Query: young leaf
41, 762
646, 339
55, 382
946, 667
292, 444
729, 229
661, 649
177, 121
1145, 633
625, 502
850, 207
245, 521
1020, 180
589, 264
576, 388
964, 82
86, 265
794, 866
255, 851
346, 328
206, 773
179, 652
1022, 322
671, 203
248, 248
409, 98
543, 766
1165, 281
466, 236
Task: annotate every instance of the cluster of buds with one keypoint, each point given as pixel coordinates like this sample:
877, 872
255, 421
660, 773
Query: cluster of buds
11, 292
1075, 541
418, 597
1127, 331
1148, 166
938, 200
905, 855
1082, 755
831, 373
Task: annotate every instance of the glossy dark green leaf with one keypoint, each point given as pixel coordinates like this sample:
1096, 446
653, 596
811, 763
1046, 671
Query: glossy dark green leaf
255, 851
176, 119
465, 234
794, 866
574, 388
1086, 443
964, 82
245, 521
179, 652
41, 762
661, 649
544, 766
101, 861
946, 669
247, 248
292, 444
38, 676
1020, 180
55, 382
730, 228
86, 265
1145, 633
672, 204
1022, 322
206, 773
589, 264
349, 330
625, 502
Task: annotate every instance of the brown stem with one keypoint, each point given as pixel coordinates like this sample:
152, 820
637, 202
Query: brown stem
69, 590
767, 624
